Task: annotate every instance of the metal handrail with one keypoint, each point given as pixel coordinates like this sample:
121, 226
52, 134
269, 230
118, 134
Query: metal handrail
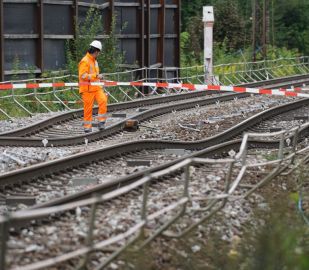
215, 202
225, 74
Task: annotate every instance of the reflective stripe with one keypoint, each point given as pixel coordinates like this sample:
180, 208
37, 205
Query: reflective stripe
84, 76
101, 117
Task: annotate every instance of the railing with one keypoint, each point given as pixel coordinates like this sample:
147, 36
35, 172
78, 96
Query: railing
21, 102
289, 157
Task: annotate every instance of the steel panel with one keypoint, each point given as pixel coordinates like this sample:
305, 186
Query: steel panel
118, 15
169, 53
93, 1
21, 50
153, 51
20, 19
129, 20
128, 1
154, 13
129, 47
35, 31
57, 19
170, 21
54, 54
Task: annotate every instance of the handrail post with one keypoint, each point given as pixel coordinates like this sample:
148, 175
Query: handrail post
89, 240
4, 237
281, 145
186, 194
144, 207
295, 140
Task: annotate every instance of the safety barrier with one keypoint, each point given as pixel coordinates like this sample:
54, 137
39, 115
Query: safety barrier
293, 92
19, 102
289, 158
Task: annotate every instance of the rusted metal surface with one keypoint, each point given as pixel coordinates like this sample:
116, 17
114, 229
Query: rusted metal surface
40, 23
111, 108
114, 108
114, 129
37, 40
161, 27
1, 43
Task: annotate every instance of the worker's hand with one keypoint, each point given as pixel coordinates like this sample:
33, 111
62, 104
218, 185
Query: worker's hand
100, 76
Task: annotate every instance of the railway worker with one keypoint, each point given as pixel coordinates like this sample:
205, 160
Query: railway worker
88, 71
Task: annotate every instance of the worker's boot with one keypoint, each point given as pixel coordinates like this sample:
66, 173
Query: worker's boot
102, 125
87, 130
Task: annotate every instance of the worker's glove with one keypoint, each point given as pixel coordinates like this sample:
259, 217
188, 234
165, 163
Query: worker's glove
100, 76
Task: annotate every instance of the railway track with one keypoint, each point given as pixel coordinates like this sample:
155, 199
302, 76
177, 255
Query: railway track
60, 172
59, 175
65, 130
38, 239
186, 125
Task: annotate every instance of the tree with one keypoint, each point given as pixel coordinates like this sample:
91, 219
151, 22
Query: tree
109, 59
191, 9
229, 24
292, 25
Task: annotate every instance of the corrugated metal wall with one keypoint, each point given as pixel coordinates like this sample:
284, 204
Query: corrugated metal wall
35, 32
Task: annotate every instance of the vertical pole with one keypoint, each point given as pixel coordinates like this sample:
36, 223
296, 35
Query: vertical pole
281, 146
186, 178
264, 33
110, 17
141, 51
273, 22
208, 19
178, 32
144, 207
253, 30
4, 228
141, 44
89, 240
161, 27
40, 55
295, 141
1, 42
147, 44
111, 12
74, 18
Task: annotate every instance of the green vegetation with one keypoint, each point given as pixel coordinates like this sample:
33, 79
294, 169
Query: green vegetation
288, 38
275, 238
288, 30
110, 57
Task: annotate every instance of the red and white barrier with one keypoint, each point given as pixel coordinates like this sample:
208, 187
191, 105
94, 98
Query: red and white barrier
295, 92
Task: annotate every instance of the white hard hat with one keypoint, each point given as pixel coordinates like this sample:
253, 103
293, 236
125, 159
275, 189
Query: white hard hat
96, 44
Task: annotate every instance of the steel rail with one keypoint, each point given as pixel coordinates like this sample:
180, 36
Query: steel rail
118, 127
115, 128
35, 128
45, 212
64, 117
125, 180
65, 164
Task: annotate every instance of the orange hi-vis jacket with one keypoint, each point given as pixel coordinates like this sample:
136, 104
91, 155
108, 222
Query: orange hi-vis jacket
88, 70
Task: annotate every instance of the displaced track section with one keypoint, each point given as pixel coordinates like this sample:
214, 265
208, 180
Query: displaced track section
56, 130
90, 164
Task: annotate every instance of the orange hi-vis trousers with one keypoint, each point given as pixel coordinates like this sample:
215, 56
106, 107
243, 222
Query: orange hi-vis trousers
88, 98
